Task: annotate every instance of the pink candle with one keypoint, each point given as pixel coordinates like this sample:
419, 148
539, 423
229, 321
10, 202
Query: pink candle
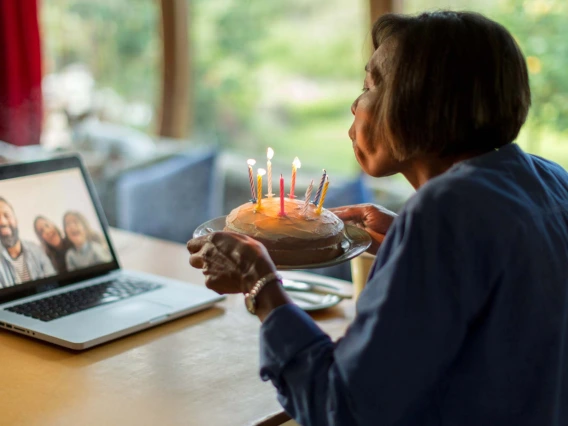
282, 212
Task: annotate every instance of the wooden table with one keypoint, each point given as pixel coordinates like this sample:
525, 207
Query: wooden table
199, 370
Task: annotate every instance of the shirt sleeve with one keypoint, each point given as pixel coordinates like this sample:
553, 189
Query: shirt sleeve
411, 321
5, 280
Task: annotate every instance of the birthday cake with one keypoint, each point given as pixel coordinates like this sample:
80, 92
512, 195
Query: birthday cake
299, 237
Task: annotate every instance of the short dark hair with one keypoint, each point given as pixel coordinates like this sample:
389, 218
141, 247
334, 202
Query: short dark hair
457, 83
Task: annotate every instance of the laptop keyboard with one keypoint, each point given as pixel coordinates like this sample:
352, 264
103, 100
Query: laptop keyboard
63, 304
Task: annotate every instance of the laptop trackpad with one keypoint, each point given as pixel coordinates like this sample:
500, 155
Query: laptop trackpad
95, 323
128, 313
135, 310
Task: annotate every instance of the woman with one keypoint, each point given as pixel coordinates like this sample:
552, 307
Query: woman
464, 317
53, 242
87, 249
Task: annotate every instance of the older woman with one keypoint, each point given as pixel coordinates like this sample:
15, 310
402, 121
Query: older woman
464, 320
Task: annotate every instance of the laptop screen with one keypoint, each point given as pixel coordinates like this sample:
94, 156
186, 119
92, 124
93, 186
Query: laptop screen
49, 229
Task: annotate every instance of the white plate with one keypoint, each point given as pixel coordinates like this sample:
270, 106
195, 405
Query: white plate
317, 299
309, 301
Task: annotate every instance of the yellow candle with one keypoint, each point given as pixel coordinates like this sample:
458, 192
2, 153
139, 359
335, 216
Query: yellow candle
324, 191
261, 172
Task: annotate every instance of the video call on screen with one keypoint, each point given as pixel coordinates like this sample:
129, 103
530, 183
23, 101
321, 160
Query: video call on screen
48, 226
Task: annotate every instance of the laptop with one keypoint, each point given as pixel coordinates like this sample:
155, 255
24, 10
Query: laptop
60, 279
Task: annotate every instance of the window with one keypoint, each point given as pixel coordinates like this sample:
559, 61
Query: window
280, 74
101, 59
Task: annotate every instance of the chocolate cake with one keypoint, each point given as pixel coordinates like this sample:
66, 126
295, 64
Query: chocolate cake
293, 239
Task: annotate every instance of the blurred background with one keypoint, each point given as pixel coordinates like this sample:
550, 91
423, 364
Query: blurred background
170, 97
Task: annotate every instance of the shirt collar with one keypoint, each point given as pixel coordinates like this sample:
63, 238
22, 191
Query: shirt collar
509, 150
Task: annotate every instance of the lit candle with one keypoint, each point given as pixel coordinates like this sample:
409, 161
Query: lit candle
261, 173
251, 163
308, 196
320, 205
269, 155
318, 194
295, 166
282, 212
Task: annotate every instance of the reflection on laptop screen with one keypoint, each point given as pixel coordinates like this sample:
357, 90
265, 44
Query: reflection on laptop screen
48, 227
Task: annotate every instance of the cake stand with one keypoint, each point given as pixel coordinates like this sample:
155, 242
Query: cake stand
310, 294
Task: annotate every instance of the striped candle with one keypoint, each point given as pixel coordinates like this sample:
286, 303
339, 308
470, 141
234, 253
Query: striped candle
318, 194
307, 200
320, 205
251, 163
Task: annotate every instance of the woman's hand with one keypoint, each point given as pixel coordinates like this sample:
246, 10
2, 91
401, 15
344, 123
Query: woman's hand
231, 263
376, 220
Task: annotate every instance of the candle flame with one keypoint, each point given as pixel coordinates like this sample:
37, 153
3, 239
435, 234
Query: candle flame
296, 163
269, 153
251, 162
261, 172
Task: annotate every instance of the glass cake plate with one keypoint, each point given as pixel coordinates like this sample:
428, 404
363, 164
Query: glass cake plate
355, 242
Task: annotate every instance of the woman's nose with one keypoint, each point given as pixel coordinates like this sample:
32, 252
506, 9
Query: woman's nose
354, 106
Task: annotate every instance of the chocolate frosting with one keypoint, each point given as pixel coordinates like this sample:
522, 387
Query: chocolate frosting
294, 231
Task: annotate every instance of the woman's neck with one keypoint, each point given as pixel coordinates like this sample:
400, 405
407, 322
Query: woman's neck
420, 170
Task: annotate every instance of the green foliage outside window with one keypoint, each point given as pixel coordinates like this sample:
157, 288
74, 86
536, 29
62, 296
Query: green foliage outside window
284, 74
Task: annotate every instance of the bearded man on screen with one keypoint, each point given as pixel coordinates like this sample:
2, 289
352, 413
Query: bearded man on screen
20, 261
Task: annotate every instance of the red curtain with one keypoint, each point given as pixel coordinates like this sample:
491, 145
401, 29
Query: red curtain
20, 73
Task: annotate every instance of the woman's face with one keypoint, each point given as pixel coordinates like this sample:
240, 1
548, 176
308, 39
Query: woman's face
371, 150
48, 232
75, 231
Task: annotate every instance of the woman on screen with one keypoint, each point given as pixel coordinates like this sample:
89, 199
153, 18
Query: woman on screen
87, 247
53, 242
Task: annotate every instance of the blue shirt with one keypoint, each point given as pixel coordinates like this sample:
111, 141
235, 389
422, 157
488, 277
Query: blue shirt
464, 317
